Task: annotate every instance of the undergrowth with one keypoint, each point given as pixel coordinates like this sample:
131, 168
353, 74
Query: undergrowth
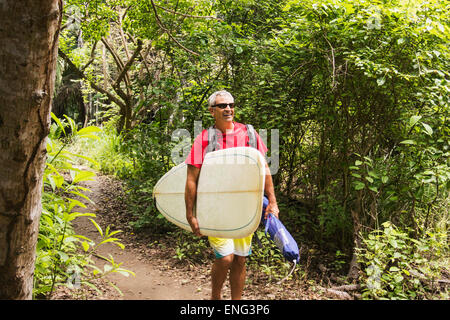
64, 258
397, 266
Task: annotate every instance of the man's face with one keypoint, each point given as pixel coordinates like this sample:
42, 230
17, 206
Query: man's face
223, 115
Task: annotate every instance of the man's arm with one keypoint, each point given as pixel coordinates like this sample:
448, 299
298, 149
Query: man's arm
190, 196
270, 193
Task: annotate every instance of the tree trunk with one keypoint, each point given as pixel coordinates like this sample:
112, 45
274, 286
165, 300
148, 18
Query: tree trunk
355, 268
28, 49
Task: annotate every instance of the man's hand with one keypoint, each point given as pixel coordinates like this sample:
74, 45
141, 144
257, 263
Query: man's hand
193, 222
271, 208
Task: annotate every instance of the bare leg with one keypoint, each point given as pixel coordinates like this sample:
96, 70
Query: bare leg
219, 273
237, 277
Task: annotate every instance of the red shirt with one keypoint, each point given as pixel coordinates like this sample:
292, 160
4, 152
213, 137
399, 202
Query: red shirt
237, 138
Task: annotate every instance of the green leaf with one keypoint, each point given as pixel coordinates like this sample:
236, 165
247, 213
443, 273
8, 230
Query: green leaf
125, 273
85, 246
83, 237
287, 7
84, 176
359, 185
373, 174
408, 142
107, 268
90, 136
394, 269
428, 129
113, 240
369, 179
52, 182
74, 215
91, 285
381, 81
81, 195
84, 157
59, 180
398, 278
413, 120
114, 232
88, 130
74, 202
393, 243
64, 257
358, 163
72, 124
384, 179
54, 117
239, 50
97, 226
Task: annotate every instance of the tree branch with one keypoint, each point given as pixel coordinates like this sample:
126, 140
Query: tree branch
129, 63
81, 75
160, 24
92, 57
332, 62
116, 58
188, 15
122, 36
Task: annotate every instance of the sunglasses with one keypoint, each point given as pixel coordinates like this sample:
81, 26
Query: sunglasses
224, 105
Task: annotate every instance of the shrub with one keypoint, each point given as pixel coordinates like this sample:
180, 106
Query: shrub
396, 266
64, 258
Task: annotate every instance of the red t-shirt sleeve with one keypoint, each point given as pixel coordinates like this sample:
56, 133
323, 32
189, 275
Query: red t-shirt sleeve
196, 154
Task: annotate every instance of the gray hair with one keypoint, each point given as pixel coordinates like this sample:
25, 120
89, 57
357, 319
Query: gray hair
212, 98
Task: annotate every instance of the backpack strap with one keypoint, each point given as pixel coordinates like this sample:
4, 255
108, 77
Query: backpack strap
213, 145
252, 142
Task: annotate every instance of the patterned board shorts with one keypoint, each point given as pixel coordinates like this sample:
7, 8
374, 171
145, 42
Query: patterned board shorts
224, 247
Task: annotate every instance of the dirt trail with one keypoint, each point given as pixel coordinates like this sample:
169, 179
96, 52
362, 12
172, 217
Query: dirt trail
149, 282
158, 275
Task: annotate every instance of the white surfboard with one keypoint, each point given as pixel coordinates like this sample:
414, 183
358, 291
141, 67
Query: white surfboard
230, 193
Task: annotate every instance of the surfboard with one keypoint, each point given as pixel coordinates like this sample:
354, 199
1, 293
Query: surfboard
230, 193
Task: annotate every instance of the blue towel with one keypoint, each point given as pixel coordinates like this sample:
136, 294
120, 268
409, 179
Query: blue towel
279, 234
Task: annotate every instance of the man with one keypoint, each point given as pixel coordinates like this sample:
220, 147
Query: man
230, 253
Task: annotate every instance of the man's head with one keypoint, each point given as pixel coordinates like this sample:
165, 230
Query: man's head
221, 106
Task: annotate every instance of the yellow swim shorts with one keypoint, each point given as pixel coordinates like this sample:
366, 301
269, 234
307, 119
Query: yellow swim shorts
224, 247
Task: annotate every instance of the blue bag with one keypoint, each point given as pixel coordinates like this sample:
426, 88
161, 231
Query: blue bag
279, 234
281, 237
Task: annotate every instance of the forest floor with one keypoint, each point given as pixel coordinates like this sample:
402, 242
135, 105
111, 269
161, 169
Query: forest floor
159, 275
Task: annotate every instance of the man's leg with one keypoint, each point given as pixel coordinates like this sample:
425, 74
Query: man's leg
219, 274
226, 260
237, 277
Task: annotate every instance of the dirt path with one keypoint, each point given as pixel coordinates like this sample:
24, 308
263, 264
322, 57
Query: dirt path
158, 274
151, 281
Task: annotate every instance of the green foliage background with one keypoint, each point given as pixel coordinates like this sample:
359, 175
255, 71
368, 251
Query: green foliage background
358, 90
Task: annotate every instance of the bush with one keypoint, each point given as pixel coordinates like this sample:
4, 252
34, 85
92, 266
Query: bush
396, 266
149, 152
64, 258
268, 258
103, 154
